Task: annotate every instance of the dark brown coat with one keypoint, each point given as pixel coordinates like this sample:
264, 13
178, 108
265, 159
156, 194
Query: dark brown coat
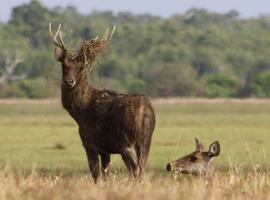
109, 122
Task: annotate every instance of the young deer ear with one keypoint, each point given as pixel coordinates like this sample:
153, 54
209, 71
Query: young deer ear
214, 149
199, 145
60, 54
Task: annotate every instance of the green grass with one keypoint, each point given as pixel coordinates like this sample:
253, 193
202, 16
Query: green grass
41, 156
30, 134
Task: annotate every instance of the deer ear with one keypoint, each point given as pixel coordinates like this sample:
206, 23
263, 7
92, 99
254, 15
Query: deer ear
199, 145
60, 54
214, 149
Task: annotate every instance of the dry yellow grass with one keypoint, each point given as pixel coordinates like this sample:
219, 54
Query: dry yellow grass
233, 184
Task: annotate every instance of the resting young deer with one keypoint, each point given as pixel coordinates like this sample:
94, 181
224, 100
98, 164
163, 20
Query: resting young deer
199, 162
109, 122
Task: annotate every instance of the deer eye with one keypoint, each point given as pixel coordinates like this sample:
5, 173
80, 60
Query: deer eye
65, 70
193, 158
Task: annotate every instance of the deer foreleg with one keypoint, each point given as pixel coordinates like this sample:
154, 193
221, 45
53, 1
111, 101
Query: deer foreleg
105, 165
93, 162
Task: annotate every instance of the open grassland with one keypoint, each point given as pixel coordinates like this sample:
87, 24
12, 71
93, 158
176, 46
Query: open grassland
41, 155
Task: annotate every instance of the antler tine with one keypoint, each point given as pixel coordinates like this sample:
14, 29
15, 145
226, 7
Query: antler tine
54, 37
108, 34
105, 36
96, 38
112, 32
51, 34
61, 39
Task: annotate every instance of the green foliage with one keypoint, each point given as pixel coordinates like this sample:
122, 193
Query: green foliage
183, 55
12, 91
221, 85
29, 88
136, 86
260, 86
30, 21
37, 88
171, 80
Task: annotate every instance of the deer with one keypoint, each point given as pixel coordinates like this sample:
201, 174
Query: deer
200, 162
9, 67
109, 122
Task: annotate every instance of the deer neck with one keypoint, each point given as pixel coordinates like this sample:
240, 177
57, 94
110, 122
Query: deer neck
78, 98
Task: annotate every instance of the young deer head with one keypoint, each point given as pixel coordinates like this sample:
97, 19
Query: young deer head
73, 65
199, 162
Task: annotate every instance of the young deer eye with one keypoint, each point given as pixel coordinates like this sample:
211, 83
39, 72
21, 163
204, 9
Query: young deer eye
193, 158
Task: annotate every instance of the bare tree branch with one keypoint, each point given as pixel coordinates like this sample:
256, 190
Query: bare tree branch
9, 67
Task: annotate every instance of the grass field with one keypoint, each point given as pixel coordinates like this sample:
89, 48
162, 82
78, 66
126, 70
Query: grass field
41, 153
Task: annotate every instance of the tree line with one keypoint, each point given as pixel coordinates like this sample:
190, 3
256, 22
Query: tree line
195, 54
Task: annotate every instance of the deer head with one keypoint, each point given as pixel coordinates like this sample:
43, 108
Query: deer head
74, 65
198, 162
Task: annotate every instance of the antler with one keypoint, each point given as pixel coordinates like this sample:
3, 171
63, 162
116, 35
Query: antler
108, 35
57, 37
90, 49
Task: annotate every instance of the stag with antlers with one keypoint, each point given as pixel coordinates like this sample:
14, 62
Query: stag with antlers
109, 122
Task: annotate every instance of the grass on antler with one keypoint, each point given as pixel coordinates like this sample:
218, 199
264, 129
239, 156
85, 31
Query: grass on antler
89, 51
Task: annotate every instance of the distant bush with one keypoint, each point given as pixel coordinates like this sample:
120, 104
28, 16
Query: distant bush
171, 80
29, 88
221, 85
12, 90
260, 87
136, 86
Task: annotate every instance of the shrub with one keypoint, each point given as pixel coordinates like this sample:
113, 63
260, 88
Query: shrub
136, 86
221, 85
260, 87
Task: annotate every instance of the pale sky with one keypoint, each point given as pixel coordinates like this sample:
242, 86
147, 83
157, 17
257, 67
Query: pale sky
165, 8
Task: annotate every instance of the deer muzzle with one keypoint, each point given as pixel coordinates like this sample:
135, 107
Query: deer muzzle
169, 167
69, 83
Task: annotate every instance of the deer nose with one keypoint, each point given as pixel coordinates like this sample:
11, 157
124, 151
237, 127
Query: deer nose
69, 82
169, 167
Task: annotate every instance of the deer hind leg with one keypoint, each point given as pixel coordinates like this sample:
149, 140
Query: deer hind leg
142, 152
140, 159
105, 165
94, 165
129, 157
